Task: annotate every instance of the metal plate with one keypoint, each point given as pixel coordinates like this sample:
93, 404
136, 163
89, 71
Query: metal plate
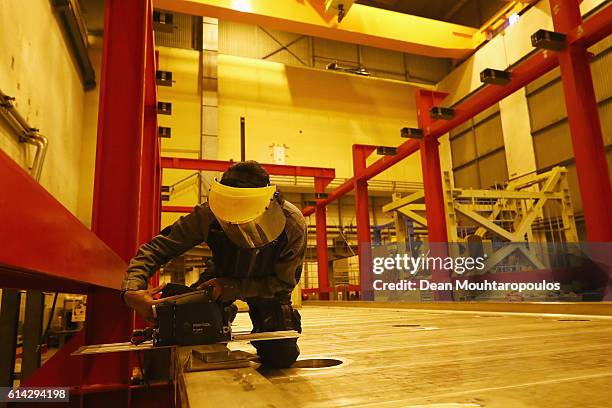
114, 348
148, 345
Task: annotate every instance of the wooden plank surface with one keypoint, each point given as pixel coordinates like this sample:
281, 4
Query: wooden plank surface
451, 359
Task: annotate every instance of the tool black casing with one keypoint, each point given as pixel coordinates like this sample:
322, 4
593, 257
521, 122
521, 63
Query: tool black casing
190, 319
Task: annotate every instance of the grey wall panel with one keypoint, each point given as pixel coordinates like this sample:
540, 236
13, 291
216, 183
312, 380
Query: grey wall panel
543, 80
427, 69
461, 128
493, 169
467, 177
335, 50
601, 68
463, 149
605, 118
238, 39
377, 59
553, 145
489, 135
547, 106
182, 36
252, 41
601, 46
486, 114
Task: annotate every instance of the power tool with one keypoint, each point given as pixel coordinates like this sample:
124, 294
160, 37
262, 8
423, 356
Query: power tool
186, 317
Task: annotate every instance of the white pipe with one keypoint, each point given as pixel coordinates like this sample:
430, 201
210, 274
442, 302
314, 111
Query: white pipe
26, 133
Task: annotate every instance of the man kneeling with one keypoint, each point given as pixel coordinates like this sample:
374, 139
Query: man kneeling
258, 242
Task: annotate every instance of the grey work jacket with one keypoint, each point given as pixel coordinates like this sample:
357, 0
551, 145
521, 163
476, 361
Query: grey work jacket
244, 273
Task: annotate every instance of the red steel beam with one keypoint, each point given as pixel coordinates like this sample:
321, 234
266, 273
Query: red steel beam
321, 231
362, 218
194, 164
430, 163
122, 169
382, 164
524, 72
149, 189
332, 196
44, 246
176, 209
592, 30
222, 165
120, 127
529, 69
584, 123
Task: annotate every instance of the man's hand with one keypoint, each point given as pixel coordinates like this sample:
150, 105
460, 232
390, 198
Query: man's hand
142, 300
216, 285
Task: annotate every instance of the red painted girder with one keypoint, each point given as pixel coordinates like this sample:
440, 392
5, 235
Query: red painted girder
149, 188
43, 244
524, 73
584, 122
119, 160
222, 165
176, 209
592, 30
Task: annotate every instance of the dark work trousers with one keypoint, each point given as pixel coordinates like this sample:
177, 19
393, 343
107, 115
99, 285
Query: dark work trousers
269, 315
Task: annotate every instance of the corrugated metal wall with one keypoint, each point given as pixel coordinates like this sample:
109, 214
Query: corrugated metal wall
477, 146
549, 125
186, 33
251, 41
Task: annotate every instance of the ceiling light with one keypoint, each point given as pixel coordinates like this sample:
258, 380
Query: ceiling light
513, 19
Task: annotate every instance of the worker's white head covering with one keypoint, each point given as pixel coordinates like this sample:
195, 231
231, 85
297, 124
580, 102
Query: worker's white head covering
250, 217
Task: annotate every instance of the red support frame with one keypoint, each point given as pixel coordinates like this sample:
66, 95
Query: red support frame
119, 182
222, 165
126, 189
430, 163
321, 231
118, 186
432, 184
362, 217
66, 255
583, 117
149, 183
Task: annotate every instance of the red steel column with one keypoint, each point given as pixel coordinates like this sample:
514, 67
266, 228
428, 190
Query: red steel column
150, 192
587, 140
117, 188
362, 216
432, 183
149, 197
321, 225
158, 167
430, 163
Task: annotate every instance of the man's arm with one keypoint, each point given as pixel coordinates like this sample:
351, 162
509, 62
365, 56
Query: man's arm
287, 270
183, 235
